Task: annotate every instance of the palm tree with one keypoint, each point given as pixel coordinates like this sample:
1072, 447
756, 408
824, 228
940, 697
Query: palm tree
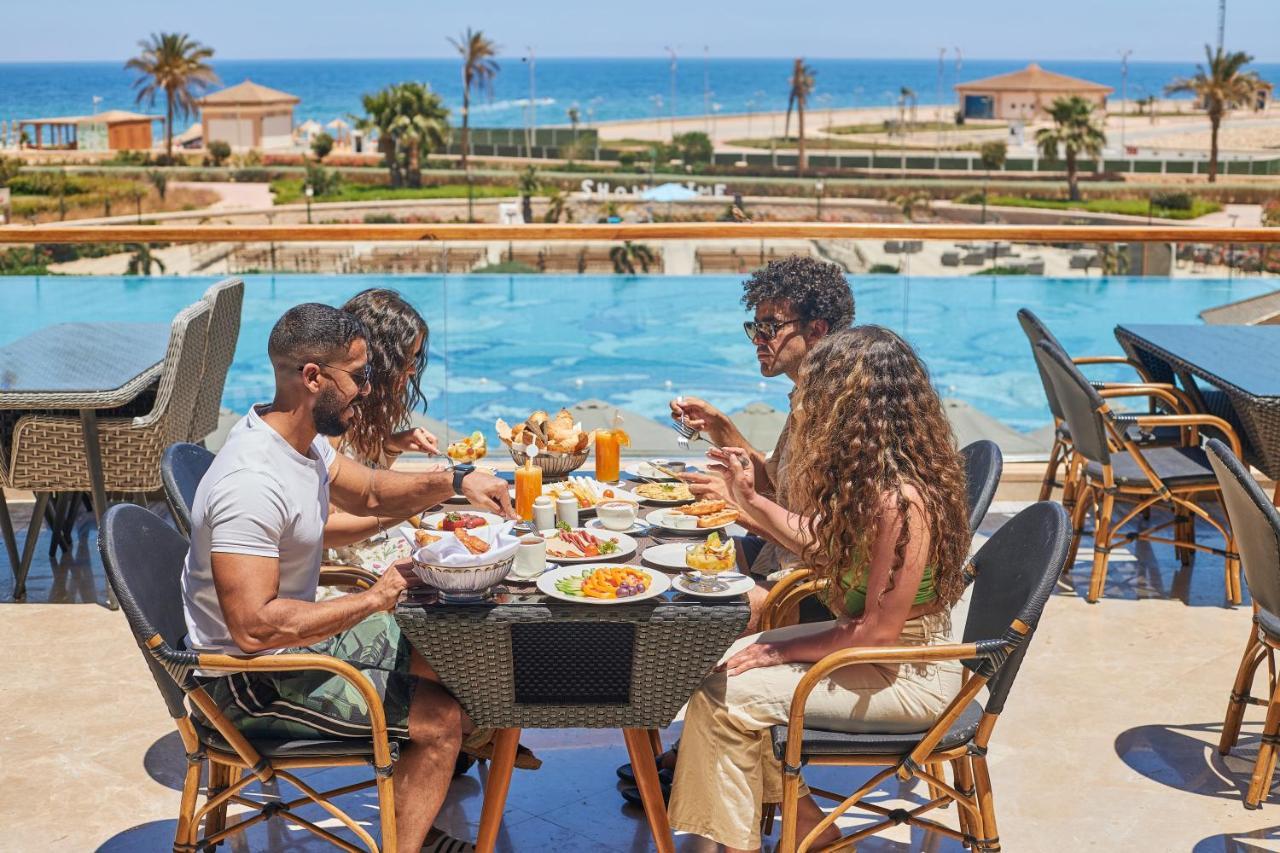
992, 156
478, 69
528, 189
574, 118
177, 64
1076, 131
555, 207
1220, 86
626, 256
906, 95
801, 89
142, 260
912, 201
411, 121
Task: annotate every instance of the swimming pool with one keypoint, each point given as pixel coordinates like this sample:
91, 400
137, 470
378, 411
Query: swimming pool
502, 346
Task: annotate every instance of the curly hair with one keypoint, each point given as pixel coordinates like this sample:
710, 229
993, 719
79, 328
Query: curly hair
393, 328
871, 424
819, 290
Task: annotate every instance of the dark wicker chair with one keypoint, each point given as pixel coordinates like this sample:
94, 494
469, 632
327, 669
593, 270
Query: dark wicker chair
1112, 467
1016, 572
1060, 454
1256, 526
143, 558
183, 466
983, 466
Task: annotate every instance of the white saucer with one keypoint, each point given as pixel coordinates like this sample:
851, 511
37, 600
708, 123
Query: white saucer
514, 578
738, 585
597, 524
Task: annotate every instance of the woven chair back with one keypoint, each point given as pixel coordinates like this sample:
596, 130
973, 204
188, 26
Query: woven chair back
180, 379
1017, 569
226, 297
182, 467
1255, 524
1080, 403
983, 465
143, 557
1036, 332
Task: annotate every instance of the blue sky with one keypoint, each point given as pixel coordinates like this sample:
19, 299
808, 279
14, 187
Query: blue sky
1097, 29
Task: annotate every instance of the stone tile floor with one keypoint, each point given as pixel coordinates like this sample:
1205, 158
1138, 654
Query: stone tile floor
1107, 743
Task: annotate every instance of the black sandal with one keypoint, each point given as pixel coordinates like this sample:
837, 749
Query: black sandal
631, 793
628, 775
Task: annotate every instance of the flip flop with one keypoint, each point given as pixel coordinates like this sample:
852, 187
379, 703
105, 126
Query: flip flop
631, 793
447, 844
628, 775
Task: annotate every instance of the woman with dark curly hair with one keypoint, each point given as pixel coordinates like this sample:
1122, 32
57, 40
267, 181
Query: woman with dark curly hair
876, 506
380, 432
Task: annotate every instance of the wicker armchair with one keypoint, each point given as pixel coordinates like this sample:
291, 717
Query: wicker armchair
1016, 571
1060, 454
1256, 525
143, 560
1176, 478
226, 298
48, 451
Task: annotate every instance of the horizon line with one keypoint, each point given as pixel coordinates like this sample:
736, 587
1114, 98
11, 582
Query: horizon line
691, 58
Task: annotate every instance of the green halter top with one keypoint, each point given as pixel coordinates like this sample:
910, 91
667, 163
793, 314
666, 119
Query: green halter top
855, 595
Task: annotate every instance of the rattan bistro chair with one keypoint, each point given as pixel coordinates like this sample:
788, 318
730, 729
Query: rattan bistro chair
226, 299
1112, 467
183, 466
1256, 526
983, 466
1016, 571
143, 558
1060, 454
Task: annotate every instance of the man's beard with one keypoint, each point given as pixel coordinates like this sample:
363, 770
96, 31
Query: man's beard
327, 414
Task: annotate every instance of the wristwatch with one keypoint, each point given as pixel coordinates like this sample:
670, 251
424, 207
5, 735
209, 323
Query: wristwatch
459, 473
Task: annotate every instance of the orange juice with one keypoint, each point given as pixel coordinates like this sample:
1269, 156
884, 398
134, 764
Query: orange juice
528, 488
608, 453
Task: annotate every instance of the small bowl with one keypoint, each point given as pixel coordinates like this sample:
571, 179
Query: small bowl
460, 584
554, 467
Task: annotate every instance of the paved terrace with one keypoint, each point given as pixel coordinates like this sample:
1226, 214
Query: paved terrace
1107, 742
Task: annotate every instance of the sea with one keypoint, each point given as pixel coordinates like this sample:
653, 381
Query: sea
600, 89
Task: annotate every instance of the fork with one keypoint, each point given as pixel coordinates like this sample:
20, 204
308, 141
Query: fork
686, 434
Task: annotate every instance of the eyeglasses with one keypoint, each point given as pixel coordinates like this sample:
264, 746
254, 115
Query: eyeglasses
363, 376
766, 330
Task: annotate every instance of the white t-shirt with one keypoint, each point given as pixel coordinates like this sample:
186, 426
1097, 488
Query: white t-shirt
262, 498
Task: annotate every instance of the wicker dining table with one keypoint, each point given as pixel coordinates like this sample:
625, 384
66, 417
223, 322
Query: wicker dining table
1241, 363
82, 367
523, 660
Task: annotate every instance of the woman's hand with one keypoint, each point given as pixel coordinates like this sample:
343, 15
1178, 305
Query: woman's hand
756, 655
698, 414
733, 464
416, 440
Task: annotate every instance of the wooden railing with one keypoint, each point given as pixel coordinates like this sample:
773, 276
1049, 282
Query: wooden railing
696, 231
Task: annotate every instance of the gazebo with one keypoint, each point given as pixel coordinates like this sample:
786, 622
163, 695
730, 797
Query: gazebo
248, 115
112, 130
1025, 95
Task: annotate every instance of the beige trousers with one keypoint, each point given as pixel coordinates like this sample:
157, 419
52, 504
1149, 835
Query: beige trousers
727, 767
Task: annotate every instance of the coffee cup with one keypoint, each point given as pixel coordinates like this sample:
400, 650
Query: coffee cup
531, 557
617, 515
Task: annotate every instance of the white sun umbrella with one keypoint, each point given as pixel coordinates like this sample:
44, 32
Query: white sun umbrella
760, 424
340, 129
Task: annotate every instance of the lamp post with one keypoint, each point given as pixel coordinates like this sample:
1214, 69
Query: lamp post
1124, 95
308, 191
671, 108
818, 187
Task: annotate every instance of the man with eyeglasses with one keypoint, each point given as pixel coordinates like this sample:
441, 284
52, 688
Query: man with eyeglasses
257, 536
797, 301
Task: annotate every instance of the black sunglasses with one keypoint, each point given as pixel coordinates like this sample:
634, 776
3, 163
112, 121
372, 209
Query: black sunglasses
767, 330
363, 376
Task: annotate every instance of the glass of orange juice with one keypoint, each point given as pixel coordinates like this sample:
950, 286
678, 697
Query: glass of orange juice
608, 453
528, 488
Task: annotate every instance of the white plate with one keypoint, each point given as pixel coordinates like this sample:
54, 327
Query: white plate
656, 518
737, 586
431, 522
658, 584
634, 470
626, 547
598, 526
619, 494
669, 556
659, 501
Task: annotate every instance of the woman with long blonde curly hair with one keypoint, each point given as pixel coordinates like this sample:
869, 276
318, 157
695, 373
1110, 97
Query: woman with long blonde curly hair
877, 496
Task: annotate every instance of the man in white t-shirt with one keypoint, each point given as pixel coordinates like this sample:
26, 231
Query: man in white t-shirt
257, 535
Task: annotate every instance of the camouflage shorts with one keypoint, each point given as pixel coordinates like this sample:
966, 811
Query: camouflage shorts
317, 705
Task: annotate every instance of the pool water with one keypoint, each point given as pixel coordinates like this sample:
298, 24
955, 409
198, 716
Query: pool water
502, 346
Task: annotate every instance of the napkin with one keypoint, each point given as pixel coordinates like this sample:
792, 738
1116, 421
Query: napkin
450, 552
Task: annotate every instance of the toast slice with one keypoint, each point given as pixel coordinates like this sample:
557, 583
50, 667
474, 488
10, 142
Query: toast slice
715, 519
704, 507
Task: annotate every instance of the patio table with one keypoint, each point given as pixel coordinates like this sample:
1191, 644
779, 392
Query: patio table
1242, 362
86, 367
524, 660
